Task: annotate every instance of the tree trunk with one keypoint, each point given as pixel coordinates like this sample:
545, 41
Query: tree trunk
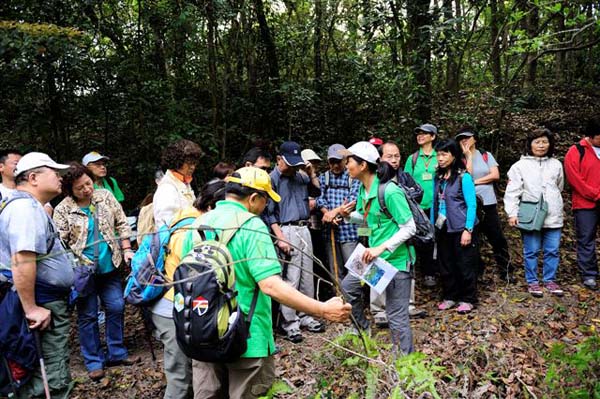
212, 70
267, 39
452, 78
559, 61
495, 46
419, 48
317, 45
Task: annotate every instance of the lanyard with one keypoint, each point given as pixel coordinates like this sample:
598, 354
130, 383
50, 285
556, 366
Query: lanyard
367, 208
429, 159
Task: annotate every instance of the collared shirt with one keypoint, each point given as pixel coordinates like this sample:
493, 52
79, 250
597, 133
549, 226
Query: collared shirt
171, 196
254, 244
340, 188
423, 173
294, 198
110, 184
382, 227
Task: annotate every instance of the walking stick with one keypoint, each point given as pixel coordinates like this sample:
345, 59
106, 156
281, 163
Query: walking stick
335, 264
38, 348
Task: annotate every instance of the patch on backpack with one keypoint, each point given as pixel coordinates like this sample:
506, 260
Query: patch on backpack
200, 305
178, 302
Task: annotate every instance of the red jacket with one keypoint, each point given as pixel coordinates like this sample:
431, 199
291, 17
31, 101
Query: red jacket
583, 176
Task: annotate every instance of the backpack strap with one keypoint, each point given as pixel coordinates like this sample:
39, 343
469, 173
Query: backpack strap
414, 158
581, 151
381, 200
252, 306
233, 225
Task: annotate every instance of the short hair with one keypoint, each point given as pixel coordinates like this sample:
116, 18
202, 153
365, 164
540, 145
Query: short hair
23, 177
223, 169
210, 193
253, 154
380, 148
592, 127
536, 134
75, 171
5, 153
181, 152
451, 146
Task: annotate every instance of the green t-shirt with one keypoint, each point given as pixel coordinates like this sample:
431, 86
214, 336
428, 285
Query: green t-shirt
105, 264
111, 186
423, 174
382, 228
257, 247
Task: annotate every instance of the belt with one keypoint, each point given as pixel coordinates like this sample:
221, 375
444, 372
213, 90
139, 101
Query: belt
300, 223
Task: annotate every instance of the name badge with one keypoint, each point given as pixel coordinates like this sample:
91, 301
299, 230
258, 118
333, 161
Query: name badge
426, 176
364, 231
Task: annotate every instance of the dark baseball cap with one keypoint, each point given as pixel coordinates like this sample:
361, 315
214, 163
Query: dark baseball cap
464, 135
426, 128
290, 151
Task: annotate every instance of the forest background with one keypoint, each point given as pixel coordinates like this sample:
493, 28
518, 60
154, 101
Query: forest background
127, 77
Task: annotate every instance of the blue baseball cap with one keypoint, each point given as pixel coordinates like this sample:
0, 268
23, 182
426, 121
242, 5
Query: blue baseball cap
291, 151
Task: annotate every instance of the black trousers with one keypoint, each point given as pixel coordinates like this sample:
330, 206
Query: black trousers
492, 229
427, 265
586, 228
458, 266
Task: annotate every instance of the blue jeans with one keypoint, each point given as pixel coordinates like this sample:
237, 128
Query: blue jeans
108, 288
533, 243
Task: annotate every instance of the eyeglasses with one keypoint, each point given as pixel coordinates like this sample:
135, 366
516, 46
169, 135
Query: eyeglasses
266, 168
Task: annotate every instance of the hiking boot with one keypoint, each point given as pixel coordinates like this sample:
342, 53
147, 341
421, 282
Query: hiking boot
415, 313
294, 336
429, 281
590, 283
446, 304
380, 319
96, 375
128, 361
464, 307
535, 290
312, 325
554, 288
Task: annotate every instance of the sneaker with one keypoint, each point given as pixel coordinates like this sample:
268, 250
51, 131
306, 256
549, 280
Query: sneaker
590, 283
430, 281
535, 290
464, 307
446, 304
96, 375
294, 336
416, 313
312, 325
380, 319
553, 288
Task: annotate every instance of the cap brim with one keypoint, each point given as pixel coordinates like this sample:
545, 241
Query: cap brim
60, 167
462, 136
345, 153
293, 160
274, 196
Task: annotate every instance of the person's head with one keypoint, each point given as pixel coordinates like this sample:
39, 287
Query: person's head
592, 130
289, 159
363, 159
425, 134
335, 159
96, 163
210, 193
466, 135
8, 162
258, 158
78, 182
540, 143
448, 157
39, 175
390, 153
309, 156
251, 187
182, 156
223, 169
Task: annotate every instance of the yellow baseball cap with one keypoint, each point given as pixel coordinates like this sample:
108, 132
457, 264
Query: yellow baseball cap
255, 178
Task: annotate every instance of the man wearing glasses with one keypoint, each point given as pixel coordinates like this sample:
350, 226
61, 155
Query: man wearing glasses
258, 158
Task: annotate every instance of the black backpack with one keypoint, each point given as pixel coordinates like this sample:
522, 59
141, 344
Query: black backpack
425, 234
210, 325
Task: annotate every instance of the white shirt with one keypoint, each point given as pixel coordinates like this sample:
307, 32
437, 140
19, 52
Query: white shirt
5, 191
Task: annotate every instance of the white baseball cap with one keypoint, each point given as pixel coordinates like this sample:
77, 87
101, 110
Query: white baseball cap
309, 155
363, 150
34, 160
93, 156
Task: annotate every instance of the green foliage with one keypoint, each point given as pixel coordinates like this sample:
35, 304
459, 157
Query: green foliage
278, 387
418, 373
573, 373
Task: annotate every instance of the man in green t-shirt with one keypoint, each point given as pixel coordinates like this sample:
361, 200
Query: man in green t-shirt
422, 165
96, 162
248, 190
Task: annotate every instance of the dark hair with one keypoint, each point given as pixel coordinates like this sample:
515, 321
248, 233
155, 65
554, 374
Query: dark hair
372, 167
380, 148
536, 134
223, 169
451, 146
239, 191
210, 193
180, 152
75, 171
5, 153
592, 127
253, 154
385, 172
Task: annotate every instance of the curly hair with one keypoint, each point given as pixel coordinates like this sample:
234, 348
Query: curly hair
75, 171
181, 152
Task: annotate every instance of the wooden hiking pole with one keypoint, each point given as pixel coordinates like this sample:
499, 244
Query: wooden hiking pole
335, 264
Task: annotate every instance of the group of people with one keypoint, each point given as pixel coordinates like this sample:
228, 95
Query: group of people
362, 196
